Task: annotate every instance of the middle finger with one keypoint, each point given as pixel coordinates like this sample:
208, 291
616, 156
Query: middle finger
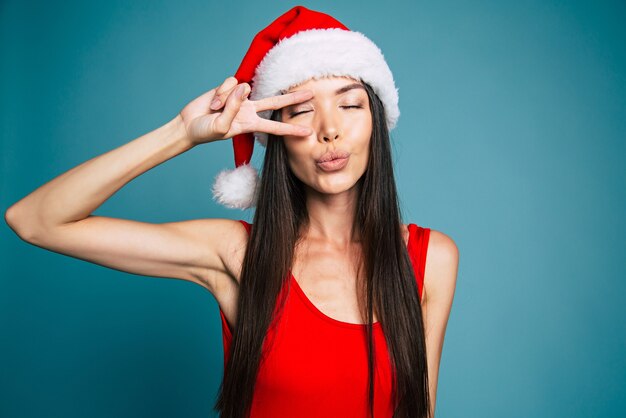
282, 128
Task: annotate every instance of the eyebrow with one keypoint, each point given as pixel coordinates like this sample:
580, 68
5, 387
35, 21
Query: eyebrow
344, 89
339, 91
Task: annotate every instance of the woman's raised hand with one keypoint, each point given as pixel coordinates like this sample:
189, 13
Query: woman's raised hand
232, 114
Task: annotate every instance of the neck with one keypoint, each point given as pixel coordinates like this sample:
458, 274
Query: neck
331, 217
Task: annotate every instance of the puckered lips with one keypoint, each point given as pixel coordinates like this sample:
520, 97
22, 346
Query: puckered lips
333, 160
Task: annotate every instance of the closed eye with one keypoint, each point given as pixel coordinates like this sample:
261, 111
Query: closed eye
304, 111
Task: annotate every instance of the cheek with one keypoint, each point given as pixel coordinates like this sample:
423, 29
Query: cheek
360, 129
298, 156
362, 137
364, 160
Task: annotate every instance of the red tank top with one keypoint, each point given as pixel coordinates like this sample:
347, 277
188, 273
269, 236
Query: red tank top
317, 365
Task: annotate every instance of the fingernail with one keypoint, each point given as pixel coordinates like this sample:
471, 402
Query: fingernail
241, 91
215, 103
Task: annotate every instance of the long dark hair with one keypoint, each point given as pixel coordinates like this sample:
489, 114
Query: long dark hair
390, 288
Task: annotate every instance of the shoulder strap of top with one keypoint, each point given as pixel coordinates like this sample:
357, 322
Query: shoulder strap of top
418, 248
247, 225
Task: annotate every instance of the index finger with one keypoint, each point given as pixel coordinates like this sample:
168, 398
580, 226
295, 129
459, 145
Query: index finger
278, 102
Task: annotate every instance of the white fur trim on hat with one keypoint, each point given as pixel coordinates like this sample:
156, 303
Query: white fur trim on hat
237, 188
316, 53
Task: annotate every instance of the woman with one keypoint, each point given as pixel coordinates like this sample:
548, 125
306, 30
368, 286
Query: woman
326, 227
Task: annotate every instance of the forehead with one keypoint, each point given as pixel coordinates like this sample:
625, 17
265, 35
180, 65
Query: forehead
328, 84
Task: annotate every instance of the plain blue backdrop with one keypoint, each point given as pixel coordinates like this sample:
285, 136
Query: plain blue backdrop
511, 140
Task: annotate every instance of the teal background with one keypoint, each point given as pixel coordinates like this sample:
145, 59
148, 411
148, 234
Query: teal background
511, 141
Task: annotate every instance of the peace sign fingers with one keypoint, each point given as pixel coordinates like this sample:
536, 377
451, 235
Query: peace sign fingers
281, 129
283, 100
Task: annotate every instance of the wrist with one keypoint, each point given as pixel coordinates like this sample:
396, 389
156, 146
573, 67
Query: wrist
176, 128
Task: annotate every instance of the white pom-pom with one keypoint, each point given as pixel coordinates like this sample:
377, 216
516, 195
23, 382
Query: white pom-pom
237, 188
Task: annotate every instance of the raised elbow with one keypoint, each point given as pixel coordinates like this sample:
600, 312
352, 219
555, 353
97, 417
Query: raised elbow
15, 220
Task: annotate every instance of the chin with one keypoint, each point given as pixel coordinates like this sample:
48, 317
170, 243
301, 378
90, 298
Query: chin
334, 186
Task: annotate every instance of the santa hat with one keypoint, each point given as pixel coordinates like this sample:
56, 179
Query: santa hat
299, 45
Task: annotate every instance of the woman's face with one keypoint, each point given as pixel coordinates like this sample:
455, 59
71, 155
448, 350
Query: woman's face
339, 116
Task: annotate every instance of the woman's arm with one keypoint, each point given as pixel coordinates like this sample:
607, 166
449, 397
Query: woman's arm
57, 215
75, 194
440, 274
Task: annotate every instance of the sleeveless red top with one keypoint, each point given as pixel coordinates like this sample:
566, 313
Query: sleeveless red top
317, 365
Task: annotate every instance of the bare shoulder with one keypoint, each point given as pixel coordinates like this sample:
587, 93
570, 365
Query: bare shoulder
442, 261
220, 245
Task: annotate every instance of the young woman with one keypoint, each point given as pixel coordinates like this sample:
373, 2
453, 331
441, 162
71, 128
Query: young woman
330, 306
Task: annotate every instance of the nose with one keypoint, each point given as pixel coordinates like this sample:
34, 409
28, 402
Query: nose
330, 137
329, 126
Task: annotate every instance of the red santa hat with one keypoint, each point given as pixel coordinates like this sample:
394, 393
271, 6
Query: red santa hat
299, 45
